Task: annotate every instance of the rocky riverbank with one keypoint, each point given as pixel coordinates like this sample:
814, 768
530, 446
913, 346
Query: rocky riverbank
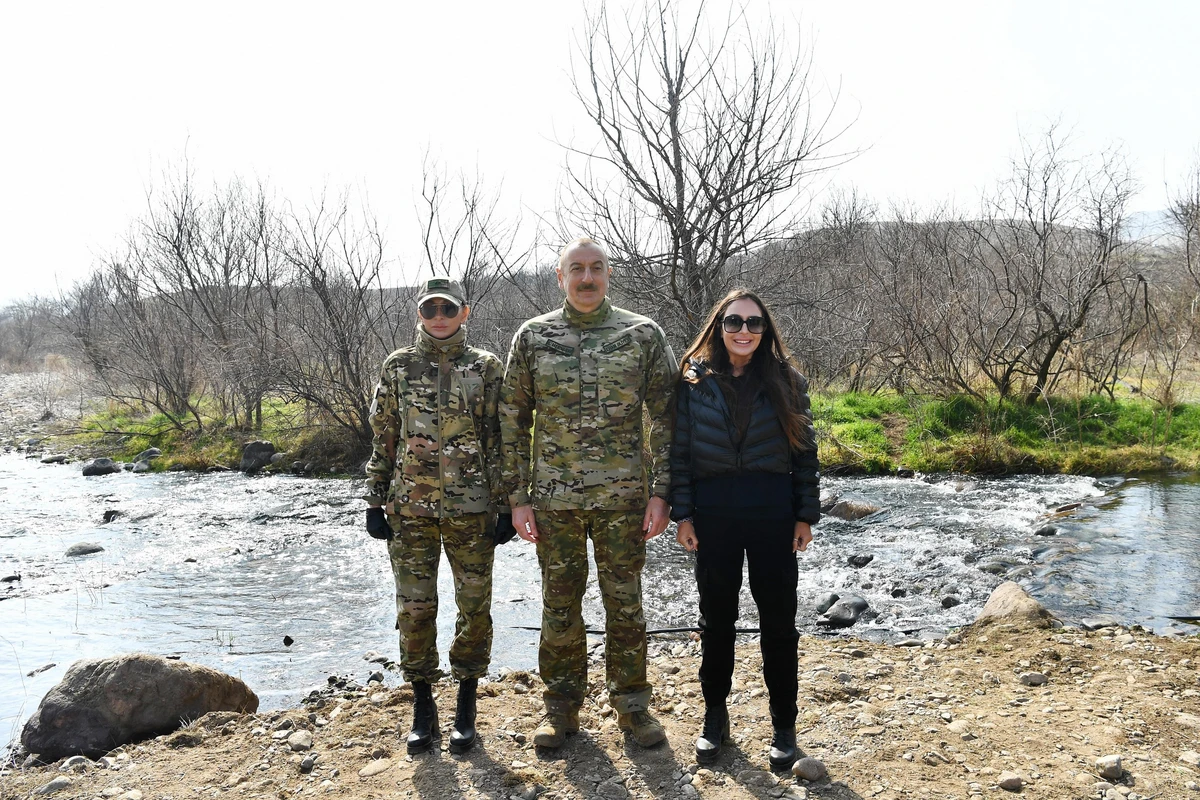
1003, 707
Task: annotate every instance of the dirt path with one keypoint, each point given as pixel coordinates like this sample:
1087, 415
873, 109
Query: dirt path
945, 720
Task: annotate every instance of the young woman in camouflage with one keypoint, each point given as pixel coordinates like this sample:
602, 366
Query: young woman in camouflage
744, 487
434, 484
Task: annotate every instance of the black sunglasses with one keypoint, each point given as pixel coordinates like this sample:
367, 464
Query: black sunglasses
732, 323
430, 309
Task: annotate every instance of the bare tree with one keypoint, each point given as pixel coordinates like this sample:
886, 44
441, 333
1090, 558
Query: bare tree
706, 139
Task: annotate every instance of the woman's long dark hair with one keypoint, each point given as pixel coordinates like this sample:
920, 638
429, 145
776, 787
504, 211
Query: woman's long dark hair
771, 365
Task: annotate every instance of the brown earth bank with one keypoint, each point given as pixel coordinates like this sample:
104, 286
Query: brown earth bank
1034, 709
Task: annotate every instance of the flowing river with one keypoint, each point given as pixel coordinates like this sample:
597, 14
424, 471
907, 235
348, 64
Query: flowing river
218, 569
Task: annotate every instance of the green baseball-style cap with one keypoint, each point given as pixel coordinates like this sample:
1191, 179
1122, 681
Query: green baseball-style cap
442, 287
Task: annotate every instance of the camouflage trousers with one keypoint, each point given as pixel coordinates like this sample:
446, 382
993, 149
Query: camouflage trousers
416, 551
620, 550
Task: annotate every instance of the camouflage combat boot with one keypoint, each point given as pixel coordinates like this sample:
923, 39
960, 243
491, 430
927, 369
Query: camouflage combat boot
556, 726
643, 727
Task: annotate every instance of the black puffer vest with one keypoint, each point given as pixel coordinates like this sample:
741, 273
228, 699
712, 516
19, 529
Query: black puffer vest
762, 477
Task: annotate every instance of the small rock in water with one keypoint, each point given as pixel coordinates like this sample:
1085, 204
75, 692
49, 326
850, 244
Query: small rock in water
845, 612
851, 510
40, 670
1067, 507
899, 592
861, 560
83, 549
810, 769
826, 602
288, 641
1046, 530
110, 515
950, 601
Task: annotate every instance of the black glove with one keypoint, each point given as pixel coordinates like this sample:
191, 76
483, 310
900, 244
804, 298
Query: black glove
504, 529
377, 524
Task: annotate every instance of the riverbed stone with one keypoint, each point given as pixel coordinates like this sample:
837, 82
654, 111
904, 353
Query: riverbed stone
148, 454
826, 602
103, 703
845, 612
101, 466
1032, 678
141, 466
1010, 603
54, 458
1010, 781
852, 510
1046, 530
56, 785
374, 768
300, 740
860, 560
810, 769
83, 549
1109, 767
255, 456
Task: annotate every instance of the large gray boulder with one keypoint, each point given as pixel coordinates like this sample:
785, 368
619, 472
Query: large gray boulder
1010, 603
101, 466
104, 703
255, 456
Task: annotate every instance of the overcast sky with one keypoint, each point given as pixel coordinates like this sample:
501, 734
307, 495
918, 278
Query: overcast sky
97, 100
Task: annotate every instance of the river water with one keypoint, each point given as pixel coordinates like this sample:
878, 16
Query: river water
217, 569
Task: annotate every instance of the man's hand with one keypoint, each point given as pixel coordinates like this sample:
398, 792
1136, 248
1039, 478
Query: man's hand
658, 514
801, 536
685, 534
504, 530
523, 521
377, 524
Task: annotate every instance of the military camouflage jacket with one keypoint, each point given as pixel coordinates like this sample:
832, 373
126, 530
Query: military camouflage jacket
436, 447
571, 410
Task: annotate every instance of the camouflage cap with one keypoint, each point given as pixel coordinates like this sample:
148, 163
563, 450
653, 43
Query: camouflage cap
442, 287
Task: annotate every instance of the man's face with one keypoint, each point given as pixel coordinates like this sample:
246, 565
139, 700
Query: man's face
583, 275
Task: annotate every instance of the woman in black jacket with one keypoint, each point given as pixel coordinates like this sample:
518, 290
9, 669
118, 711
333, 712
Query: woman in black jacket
744, 486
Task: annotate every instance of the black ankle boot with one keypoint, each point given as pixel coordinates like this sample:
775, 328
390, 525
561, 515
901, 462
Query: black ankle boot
462, 735
715, 733
424, 726
783, 747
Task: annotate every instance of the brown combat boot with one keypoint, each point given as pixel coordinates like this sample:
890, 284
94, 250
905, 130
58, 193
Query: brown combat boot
643, 727
556, 726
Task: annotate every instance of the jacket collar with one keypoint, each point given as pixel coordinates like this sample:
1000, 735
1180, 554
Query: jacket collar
591, 318
450, 347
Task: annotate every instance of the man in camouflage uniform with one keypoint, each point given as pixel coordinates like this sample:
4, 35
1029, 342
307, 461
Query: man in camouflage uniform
571, 408
434, 483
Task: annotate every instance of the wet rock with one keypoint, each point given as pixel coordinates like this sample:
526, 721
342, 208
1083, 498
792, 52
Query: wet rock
56, 458
905, 472
860, 560
288, 641
297, 467
141, 466
1046, 530
277, 457
40, 670
899, 592
828, 501
100, 466
1096, 623
950, 601
83, 549
10, 578
101, 704
826, 602
851, 510
148, 454
845, 612
109, 515
1109, 767
1010, 603
1067, 507
178, 467
1010, 781
810, 769
255, 456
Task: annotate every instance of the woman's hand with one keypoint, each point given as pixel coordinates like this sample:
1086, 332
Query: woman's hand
685, 534
801, 537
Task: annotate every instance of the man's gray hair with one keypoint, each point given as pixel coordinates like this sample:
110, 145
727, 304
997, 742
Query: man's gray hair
578, 242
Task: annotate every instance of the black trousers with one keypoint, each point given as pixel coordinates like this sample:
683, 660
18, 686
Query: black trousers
767, 547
